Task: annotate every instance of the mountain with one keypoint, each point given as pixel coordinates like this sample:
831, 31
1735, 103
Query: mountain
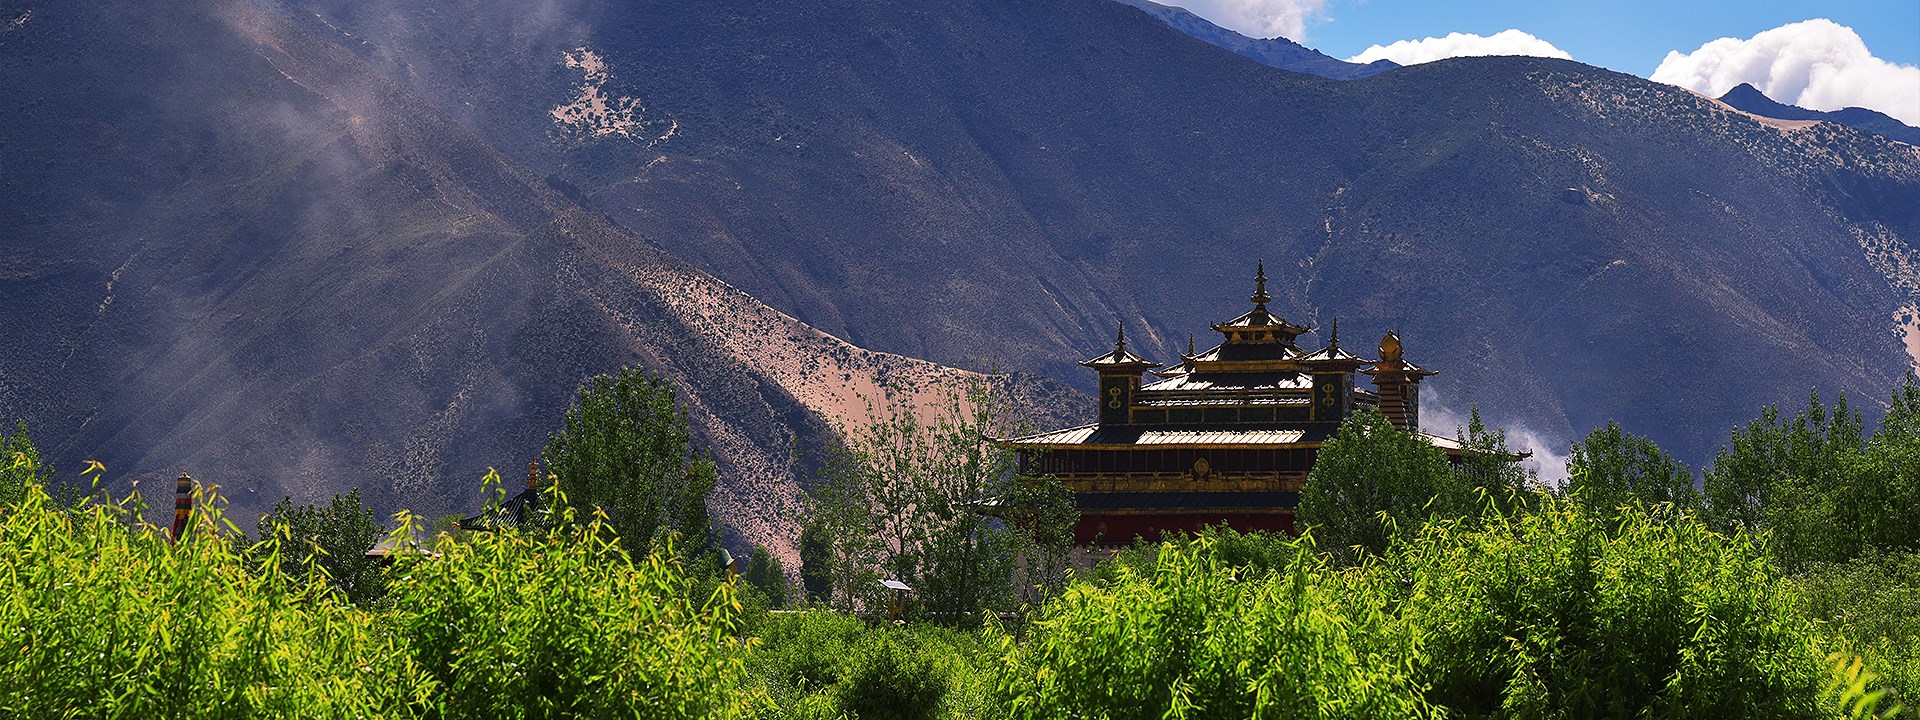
1748, 98
1273, 52
236, 250
998, 183
296, 246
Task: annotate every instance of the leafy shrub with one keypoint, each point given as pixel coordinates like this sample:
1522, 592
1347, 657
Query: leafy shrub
1560, 612
827, 665
564, 624
802, 653
1189, 638
1873, 604
894, 676
104, 617
20, 466
1557, 613
1253, 555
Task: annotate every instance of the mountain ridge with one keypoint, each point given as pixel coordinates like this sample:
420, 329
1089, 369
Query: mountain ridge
1275, 52
1748, 98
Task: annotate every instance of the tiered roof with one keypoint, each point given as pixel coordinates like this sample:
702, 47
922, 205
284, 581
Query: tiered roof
1258, 363
1120, 359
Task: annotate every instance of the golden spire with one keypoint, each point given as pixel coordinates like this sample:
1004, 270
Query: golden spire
1189, 344
1260, 296
1334, 340
1120, 341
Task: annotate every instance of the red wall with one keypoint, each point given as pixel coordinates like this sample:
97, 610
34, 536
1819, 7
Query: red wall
1123, 528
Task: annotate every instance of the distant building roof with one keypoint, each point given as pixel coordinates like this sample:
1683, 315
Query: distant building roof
1095, 435
527, 509
1234, 381
1119, 358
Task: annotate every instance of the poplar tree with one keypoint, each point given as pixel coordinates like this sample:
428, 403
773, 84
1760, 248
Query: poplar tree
333, 538
1612, 468
626, 450
1373, 477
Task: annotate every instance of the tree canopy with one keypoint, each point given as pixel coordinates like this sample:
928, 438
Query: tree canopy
1823, 488
936, 504
333, 538
626, 450
1372, 477
1612, 468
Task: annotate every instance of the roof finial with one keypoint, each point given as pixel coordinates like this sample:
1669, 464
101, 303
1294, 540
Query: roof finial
182, 506
1189, 344
1390, 348
1120, 341
1260, 296
1334, 340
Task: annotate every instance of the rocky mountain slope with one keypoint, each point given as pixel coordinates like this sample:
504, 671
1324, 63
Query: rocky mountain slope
235, 250
1001, 182
296, 246
1276, 52
1749, 98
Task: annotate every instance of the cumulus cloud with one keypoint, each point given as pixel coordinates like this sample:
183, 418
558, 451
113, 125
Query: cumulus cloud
1505, 42
1817, 64
1258, 18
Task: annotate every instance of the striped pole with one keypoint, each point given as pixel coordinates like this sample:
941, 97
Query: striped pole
182, 505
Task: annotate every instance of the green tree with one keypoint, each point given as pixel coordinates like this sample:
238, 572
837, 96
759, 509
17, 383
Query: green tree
936, 504
1372, 477
1823, 490
1612, 468
626, 450
816, 562
1489, 465
20, 466
765, 573
1889, 486
334, 539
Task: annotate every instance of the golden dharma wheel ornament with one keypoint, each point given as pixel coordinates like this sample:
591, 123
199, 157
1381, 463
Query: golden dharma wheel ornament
1201, 468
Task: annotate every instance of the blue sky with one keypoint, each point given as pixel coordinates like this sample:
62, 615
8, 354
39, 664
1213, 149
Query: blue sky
1630, 36
1824, 56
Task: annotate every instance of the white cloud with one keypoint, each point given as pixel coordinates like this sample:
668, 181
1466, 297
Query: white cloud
1505, 42
1817, 64
1549, 452
1258, 18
